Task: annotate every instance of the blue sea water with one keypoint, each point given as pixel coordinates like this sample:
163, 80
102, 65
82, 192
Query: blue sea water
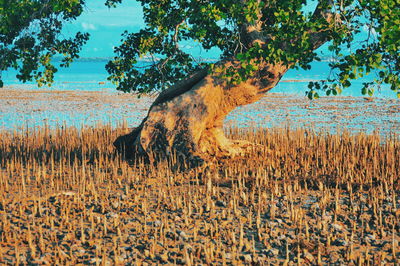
92, 76
81, 75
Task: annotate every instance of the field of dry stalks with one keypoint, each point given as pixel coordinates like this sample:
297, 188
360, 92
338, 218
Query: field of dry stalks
299, 197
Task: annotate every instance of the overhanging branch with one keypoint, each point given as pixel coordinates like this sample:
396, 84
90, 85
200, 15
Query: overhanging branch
322, 11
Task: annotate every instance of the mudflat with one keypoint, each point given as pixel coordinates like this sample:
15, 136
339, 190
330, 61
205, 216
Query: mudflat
22, 107
297, 197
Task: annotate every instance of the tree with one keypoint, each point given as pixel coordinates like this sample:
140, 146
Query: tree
259, 42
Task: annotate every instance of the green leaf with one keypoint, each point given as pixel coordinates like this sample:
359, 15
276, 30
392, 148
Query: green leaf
347, 84
364, 91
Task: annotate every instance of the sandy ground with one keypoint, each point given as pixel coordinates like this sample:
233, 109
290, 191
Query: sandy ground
22, 108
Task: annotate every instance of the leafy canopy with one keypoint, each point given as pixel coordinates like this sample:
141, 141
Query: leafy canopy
290, 32
248, 31
30, 37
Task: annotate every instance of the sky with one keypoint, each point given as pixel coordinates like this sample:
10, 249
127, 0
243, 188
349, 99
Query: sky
106, 25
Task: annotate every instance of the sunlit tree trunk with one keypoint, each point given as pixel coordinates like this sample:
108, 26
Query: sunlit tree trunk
187, 120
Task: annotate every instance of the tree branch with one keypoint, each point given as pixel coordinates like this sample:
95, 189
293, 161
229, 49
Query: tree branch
251, 33
180, 87
322, 11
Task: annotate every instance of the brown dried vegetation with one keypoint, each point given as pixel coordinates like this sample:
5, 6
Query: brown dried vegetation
298, 197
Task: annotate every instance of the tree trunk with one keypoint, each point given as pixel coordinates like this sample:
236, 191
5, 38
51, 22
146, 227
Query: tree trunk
187, 120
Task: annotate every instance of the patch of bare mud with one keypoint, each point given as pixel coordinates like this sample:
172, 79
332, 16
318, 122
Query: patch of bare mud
354, 114
20, 108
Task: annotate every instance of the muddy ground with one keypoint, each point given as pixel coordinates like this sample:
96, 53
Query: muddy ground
21, 108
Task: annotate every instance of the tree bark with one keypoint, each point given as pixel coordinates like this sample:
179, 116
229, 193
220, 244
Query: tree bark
187, 120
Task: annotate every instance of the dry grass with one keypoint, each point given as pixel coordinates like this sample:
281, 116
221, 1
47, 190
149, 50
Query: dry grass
66, 198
